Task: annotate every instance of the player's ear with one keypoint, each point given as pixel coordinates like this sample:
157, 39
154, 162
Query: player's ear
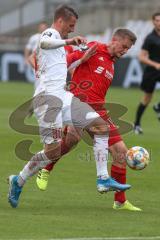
114, 38
60, 20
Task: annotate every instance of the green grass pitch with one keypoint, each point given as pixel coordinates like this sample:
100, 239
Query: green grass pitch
71, 206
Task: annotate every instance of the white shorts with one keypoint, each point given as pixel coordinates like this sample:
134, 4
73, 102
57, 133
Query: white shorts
53, 112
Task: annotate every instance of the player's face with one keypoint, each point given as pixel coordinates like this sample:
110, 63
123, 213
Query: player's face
42, 27
156, 23
68, 26
120, 46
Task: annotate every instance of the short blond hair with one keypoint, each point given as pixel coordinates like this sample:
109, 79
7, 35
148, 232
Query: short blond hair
125, 33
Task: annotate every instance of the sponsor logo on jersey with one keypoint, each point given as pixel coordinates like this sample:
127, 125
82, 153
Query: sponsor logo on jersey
108, 75
49, 34
99, 70
101, 58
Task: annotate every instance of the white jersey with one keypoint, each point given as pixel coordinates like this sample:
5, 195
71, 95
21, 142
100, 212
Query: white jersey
51, 65
52, 112
33, 42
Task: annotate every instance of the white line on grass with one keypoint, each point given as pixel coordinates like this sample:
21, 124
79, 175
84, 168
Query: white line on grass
109, 238
103, 238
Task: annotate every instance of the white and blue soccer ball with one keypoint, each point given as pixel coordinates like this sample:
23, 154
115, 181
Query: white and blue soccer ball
137, 158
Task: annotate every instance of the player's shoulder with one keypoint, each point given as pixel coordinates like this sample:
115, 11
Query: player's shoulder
150, 36
51, 32
100, 45
34, 36
92, 43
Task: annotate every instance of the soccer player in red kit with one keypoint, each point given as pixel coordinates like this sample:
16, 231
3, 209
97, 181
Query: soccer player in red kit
90, 82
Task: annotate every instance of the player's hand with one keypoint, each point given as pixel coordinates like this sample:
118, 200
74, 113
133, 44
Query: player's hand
76, 41
89, 53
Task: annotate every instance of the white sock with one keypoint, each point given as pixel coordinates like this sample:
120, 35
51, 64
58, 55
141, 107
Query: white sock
100, 149
37, 162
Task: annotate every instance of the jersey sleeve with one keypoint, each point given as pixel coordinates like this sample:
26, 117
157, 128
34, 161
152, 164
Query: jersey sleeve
146, 44
48, 34
30, 44
50, 40
73, 57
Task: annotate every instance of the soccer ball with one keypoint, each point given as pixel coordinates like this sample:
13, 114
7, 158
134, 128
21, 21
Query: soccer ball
137, 158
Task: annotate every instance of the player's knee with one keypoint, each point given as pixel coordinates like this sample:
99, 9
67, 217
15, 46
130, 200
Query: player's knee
73, 139
99, 130
147, 99
73, 136
53, 151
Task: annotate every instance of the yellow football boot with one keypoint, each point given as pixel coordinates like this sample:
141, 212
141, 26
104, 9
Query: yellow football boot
125, 206
42, 179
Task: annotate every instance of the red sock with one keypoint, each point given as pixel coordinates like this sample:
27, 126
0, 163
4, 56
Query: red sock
64, 149
119, 174
50, 166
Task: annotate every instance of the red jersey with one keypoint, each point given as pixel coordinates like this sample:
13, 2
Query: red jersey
91, 79
68, 49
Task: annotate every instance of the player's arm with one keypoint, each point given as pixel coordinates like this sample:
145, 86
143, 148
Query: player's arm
31, 60
26, 55
78, 57
28, 50
144, 58
50, 42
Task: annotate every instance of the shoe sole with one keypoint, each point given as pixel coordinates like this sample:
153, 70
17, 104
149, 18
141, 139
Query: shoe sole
9, 181
127, 209
138, 133
102, 190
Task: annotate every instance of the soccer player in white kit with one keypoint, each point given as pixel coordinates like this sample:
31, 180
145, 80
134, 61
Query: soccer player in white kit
54, 106
31, 46
33, 41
